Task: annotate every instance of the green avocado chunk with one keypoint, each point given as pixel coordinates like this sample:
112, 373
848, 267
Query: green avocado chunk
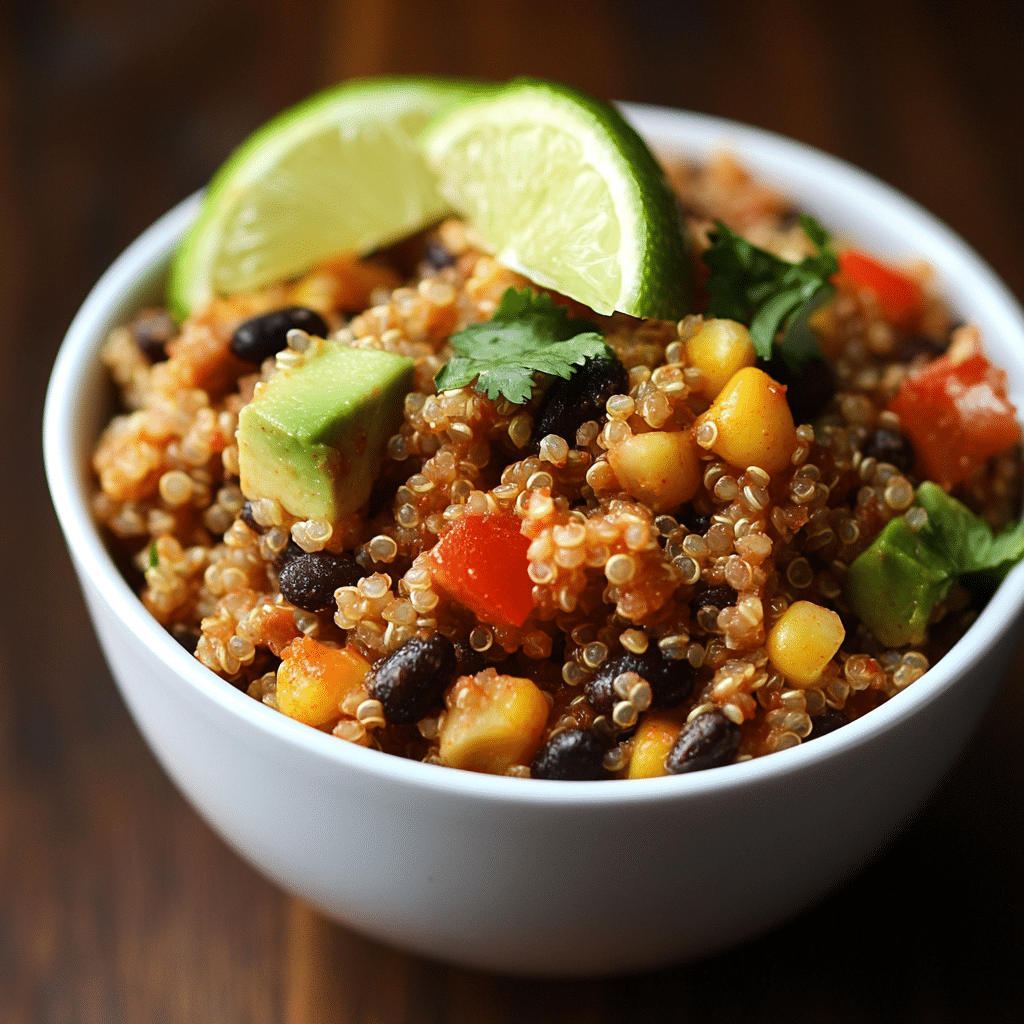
313, 437
896, 583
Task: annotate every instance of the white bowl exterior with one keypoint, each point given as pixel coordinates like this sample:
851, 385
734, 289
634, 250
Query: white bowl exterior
487, 871
497, 884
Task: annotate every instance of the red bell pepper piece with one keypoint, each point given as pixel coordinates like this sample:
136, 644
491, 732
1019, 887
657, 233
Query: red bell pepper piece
481, 562
957, 415
900, 297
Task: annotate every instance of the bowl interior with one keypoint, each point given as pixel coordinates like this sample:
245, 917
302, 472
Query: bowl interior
851, 203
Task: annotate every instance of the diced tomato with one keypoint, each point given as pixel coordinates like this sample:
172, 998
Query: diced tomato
956, 414
899, 296
481, 562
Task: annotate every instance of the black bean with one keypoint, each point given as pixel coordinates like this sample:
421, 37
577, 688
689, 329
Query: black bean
599, 688
671, 680
437, 254
411, 681
694, 521
910, 348
575, 755
709, 741
289, 553
719, 597
892, 447
263, 336
570, 403
249, 519
809, 388
309, 580
828, 722
151, 330
467, 661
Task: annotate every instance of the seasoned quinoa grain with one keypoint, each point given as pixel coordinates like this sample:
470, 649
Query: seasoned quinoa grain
669, 547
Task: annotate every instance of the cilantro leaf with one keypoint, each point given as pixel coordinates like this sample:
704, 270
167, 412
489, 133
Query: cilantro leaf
966, 539
769, 294
529, 333
154, 558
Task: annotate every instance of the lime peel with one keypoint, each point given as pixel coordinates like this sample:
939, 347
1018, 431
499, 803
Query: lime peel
563, 190
339, 172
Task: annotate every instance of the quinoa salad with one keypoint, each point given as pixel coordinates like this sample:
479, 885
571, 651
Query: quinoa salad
674, 559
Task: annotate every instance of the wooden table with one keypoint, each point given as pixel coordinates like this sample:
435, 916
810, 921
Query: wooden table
117, 903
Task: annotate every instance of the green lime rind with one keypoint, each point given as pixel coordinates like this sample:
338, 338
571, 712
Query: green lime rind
339, 172
563, 189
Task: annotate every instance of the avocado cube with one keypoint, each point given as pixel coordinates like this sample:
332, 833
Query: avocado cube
314, 436
895, 584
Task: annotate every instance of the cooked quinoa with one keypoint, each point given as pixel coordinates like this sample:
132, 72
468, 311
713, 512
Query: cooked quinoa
621, 578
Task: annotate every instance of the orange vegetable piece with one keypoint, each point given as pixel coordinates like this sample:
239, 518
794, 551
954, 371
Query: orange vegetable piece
345, 282
277, 625
313, 679
652, 742
900, 297
201, 356
481, 562
956, 413
493, 722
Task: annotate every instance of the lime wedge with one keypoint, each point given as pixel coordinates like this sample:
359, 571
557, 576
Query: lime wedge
564, 191
340, 172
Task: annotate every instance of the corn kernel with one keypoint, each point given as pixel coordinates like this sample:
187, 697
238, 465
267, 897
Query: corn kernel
493, 722
718, 350
655, 737
659, 468
804, 640
752, 422
314, 679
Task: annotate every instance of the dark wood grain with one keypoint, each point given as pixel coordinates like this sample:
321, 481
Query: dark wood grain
116, 901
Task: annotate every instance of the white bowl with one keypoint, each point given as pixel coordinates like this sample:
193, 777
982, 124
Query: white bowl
531, 876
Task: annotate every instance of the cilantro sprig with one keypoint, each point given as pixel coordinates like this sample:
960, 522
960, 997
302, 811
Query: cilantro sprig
965, 540
528, 334
769, 294
895, 584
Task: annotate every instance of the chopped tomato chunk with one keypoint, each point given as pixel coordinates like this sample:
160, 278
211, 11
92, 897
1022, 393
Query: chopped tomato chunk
899, 296
956, 414
481, 562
